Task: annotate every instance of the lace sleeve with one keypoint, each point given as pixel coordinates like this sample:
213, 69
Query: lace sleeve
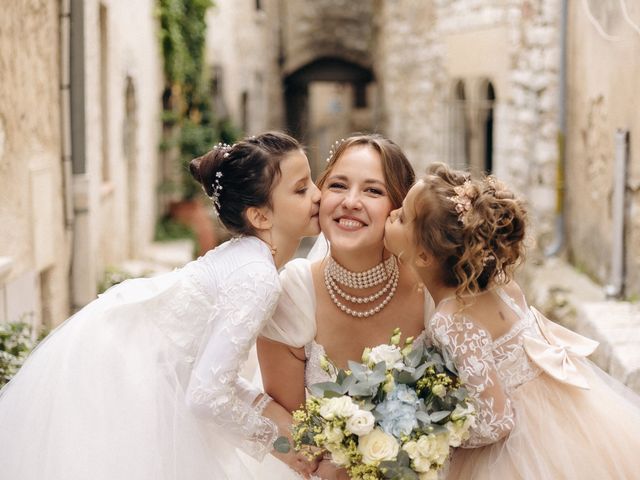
470, 347
215, 389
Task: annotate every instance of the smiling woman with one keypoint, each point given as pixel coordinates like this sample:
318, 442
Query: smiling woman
356, 296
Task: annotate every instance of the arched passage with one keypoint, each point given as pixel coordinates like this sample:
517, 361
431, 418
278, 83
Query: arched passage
327, 99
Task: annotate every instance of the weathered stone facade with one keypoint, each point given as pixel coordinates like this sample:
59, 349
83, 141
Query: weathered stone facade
77, 150
604, 73
34, 243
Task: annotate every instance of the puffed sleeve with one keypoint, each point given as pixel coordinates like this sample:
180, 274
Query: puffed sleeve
293, 322
215, 391
471, 349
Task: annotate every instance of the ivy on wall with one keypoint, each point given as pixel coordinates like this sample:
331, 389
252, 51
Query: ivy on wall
190, 124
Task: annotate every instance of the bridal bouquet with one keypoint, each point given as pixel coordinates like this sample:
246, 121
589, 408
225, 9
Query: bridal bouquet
394, 416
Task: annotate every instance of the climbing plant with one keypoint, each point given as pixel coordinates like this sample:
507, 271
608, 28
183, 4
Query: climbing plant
190, 124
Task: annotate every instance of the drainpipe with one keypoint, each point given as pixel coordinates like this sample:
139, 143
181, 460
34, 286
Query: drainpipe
83, 285
558, 243
615, 288
65, 112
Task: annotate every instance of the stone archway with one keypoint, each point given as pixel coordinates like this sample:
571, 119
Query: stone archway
327, 99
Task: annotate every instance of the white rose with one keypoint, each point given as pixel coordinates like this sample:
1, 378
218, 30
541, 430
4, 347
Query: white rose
411, 447
390, 354
421, 464
361, 422
338, 407
333, 434
427, 447
377, 446
458, 432
340, 458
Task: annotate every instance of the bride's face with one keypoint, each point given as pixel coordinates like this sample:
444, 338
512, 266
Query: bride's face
355, 203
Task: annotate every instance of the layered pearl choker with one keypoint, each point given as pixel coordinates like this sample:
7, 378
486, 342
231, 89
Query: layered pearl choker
386, 272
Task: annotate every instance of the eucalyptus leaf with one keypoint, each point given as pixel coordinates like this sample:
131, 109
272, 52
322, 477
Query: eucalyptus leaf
282, 445
323, 389
362, 389
405, 378
357, 368
419, 372
441, 415
424, 417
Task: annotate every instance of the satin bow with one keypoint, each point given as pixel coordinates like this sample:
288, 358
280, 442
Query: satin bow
557, 357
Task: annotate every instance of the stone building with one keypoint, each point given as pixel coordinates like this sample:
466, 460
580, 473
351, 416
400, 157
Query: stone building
79, 131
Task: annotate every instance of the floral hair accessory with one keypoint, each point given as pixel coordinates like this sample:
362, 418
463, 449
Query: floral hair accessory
217, 190
464, 196
334, 148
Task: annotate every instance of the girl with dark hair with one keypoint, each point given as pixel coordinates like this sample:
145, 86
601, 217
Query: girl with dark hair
143, 383
544, 412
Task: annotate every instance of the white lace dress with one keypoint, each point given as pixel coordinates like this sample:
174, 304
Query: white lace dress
560, 417
143, 383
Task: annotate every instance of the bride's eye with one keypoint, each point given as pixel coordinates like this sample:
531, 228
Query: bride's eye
375, 191
337, 185
302, 190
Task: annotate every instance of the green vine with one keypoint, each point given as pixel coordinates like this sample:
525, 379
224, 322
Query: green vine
189, 120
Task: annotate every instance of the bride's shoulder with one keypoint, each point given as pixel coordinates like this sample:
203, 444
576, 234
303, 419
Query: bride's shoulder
297, 273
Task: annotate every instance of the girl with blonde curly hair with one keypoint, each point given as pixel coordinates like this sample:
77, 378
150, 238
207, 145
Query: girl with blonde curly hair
543, 410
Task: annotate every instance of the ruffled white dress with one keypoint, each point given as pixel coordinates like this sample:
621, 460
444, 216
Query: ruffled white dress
563, 418
143, 383
294, 324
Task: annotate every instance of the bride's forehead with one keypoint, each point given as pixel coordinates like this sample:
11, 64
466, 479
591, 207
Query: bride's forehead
362, 163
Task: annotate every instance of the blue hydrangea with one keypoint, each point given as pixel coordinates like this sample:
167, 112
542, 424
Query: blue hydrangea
397, 413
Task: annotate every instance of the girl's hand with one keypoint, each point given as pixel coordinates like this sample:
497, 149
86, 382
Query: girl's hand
328, 471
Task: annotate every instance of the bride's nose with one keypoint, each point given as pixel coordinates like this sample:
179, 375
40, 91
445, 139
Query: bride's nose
352, 200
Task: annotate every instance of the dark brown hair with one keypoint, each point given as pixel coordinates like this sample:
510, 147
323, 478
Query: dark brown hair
478, 247
247, 173
398, 172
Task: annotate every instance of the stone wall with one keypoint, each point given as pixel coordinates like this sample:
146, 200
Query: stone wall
604, 68
33, 243
242, 51
424, 48
409, 70
56, 222
314, 29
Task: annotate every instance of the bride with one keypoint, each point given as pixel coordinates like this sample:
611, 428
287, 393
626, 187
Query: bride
358, 293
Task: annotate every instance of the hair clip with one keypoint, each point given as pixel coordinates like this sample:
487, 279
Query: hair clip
217, 190
462, 199
334, 148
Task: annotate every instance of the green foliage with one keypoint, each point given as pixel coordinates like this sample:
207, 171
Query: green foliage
16, 341
168, 229
112, 276
193, 128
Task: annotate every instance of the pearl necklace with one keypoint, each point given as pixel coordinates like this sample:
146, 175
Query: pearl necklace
334, 274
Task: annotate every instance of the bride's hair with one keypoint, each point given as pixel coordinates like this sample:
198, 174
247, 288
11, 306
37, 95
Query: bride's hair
398, 172
474, 228
242, 175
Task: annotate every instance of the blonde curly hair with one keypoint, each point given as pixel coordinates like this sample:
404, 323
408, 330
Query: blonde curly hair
475, 228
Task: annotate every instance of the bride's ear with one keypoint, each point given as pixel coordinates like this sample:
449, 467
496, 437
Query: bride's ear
260, 218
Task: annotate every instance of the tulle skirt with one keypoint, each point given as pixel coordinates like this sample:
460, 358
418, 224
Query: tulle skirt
102, 398
563, 432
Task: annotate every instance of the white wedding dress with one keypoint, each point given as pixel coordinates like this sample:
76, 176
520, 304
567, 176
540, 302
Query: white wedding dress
143, 383
294, 324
